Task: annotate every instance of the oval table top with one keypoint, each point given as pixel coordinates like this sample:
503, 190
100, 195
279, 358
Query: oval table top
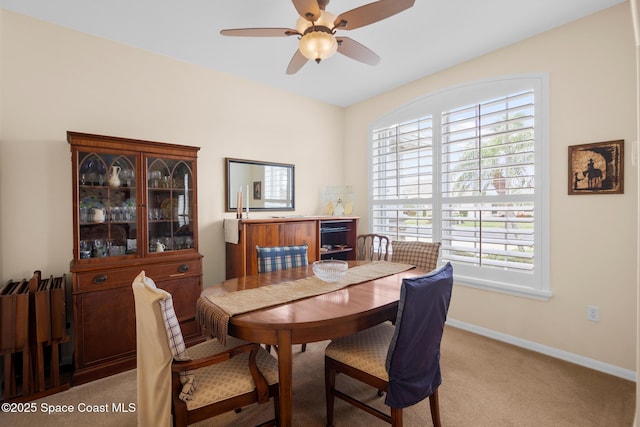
318, 318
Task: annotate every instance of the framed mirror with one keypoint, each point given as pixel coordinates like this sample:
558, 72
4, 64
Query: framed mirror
270, 186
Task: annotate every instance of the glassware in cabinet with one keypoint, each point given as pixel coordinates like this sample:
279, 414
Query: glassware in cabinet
170, 204
107, 207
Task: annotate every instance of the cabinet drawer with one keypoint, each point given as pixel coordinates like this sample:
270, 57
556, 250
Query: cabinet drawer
105, 279
119, 277
173, 270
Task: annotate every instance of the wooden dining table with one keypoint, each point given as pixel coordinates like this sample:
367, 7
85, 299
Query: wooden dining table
323, 317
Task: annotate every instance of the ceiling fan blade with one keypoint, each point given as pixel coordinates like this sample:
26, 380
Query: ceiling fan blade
297, 61
354, 50
259, 32
370, 13
308, 9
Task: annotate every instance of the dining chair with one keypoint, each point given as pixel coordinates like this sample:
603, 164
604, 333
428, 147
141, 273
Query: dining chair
187, 385
402, 360
275, 258
372, 247
421, 254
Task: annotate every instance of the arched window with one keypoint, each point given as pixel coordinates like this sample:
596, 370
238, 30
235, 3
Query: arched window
467, 166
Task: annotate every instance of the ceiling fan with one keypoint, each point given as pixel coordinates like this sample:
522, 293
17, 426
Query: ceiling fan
316, 29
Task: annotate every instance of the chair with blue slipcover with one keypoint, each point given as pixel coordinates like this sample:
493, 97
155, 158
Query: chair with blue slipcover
402, 360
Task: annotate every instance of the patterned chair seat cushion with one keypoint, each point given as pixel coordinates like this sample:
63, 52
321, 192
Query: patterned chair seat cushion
230, 378
365, 350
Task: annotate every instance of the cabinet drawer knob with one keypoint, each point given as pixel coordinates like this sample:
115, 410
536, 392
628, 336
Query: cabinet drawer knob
183, 268
100, 279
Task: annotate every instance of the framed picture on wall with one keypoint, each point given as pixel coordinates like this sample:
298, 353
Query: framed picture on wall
257, 190
597, 168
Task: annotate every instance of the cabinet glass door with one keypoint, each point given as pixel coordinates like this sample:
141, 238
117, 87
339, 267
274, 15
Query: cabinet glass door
170, 205
107, 205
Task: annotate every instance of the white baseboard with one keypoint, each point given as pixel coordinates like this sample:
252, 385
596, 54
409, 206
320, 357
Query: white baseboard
617, 371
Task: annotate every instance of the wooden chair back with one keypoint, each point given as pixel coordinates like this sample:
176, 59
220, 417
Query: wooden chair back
372, 247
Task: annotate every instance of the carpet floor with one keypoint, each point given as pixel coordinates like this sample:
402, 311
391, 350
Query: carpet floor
485, 383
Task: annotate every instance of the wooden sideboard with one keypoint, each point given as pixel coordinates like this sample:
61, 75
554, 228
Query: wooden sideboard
338, 232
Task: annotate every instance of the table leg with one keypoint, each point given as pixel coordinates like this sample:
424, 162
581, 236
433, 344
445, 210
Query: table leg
285, 366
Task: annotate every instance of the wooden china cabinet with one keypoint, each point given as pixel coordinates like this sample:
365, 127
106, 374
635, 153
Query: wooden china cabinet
134, 208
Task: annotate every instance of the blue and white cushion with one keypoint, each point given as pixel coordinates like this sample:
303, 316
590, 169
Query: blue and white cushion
281, 257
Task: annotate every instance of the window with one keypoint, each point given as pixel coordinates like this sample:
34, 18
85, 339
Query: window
277, 181
467, 167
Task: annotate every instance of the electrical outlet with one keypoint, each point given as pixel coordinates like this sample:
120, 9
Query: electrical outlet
593, 313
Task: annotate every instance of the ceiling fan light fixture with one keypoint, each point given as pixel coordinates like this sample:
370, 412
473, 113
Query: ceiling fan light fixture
318, 45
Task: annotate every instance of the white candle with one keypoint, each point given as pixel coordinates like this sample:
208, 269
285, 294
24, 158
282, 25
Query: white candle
247, 201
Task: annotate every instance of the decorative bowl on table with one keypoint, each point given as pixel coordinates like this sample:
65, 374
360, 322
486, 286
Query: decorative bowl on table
330, 270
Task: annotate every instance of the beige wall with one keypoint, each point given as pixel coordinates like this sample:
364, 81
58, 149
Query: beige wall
54, 80
591, 66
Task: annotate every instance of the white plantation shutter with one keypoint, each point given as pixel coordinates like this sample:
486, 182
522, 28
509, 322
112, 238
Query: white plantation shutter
402, 184
470, 175
488, 167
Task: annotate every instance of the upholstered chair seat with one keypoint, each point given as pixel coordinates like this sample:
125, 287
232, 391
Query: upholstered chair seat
365, 351
223, 381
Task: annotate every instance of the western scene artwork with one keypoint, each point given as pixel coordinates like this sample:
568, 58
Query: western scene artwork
597, 168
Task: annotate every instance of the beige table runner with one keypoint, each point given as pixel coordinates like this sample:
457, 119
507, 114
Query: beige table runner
215, 311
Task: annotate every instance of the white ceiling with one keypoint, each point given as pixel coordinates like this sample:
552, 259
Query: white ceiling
429, 37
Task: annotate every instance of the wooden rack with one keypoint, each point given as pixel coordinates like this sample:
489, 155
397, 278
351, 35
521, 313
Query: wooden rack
32, 317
